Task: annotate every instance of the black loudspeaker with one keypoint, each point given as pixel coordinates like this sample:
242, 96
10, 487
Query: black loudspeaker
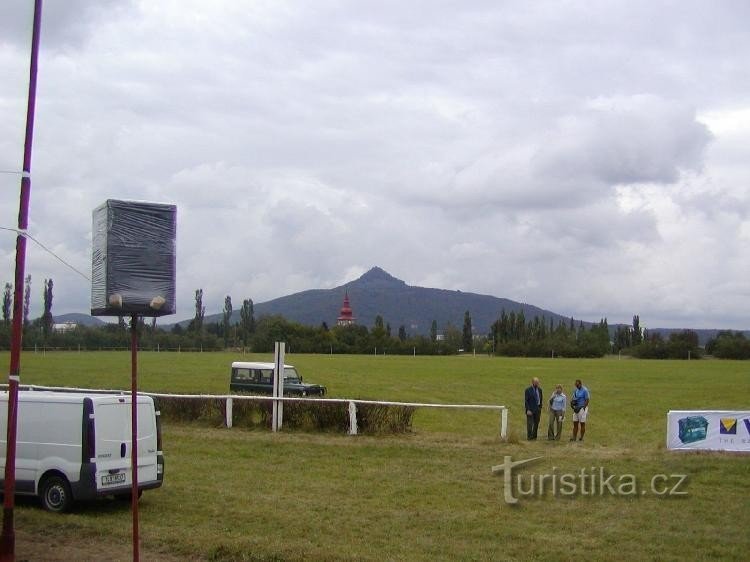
133, 259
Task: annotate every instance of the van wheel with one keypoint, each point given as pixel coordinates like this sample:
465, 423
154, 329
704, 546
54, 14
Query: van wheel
55, 494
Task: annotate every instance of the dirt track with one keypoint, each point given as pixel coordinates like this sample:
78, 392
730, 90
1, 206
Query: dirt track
33, 548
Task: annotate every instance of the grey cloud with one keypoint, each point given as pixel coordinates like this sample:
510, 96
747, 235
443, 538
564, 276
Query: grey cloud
441, 141
648, 140
65, 23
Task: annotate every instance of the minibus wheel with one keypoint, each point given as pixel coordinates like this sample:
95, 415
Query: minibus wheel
55, 494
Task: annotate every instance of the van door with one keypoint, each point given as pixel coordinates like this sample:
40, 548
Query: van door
48, 437
113, 443
27, 448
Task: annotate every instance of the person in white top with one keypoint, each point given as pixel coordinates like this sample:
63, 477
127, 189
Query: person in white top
557, 403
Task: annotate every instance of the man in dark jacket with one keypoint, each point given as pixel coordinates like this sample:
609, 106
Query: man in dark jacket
533, 403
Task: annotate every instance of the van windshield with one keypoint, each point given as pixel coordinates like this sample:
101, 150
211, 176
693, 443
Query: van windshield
290, 373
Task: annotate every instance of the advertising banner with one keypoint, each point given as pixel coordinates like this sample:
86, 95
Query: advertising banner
715, 430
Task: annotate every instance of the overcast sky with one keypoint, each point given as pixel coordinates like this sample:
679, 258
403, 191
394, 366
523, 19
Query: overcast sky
590, 158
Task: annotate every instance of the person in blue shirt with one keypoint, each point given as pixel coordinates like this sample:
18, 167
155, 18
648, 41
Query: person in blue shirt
557, 403
580, 405
533, 402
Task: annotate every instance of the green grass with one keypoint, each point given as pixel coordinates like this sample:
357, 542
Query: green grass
252, 495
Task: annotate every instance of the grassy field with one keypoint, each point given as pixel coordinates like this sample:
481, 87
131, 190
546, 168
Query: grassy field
252, 495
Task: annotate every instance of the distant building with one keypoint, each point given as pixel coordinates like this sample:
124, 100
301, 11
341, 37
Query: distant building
64, 327
346, 316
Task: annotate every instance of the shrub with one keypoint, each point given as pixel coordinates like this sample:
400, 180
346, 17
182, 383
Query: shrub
307, 415
380, 418
181, 409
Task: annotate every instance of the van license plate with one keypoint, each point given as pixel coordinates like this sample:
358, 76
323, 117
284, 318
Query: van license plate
109, 479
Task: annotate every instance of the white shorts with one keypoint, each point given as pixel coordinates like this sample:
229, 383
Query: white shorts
581, 415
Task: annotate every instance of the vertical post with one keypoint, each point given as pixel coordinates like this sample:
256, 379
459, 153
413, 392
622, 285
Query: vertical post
134, 429
352, 418
8, 537
504, 424
277, 413
229, 413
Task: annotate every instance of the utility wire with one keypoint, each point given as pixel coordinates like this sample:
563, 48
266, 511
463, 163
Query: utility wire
46, 249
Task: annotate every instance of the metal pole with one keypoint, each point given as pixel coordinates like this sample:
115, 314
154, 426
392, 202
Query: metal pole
277, 413
8, 537
134, 428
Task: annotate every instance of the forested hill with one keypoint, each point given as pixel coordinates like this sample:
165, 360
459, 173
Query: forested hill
378, 292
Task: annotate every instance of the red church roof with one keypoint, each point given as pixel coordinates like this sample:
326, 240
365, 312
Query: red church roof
346, 315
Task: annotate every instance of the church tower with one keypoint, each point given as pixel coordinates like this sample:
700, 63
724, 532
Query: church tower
346, 317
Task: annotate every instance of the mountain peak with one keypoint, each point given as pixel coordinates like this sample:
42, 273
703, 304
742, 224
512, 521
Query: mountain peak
379, 277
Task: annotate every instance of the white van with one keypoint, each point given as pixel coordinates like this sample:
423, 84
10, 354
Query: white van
72, 446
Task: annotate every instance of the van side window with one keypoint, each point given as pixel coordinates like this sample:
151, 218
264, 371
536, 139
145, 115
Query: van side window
266, 376
242, 374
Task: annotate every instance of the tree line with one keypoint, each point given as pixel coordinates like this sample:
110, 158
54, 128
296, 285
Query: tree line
512, 334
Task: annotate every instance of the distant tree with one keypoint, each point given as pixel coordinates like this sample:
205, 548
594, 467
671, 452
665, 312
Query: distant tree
500, 329
453, 337
388, 329
324, 326
247, 320
378, 331
621, 338
227, 318
402, 333
200, 312
468, 339
47, 320
683, 345
7, 303
637, 336
26, 301
433, 331
652, 347
729, 345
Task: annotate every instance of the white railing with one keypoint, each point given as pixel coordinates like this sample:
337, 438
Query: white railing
350, 401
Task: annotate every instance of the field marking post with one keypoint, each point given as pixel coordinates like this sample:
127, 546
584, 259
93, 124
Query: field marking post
229, 412
504, 424
278, 386
352, 417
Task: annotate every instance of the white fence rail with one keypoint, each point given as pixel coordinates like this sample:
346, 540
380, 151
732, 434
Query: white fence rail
351, 402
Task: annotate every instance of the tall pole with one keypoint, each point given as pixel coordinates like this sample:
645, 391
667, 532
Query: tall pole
134, 428
8, 537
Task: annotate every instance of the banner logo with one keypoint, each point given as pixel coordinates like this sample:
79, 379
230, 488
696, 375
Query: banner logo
728, 426
747, 425
692, 429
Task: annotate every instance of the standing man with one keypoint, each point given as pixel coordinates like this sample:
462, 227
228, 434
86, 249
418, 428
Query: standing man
580, 405
533, 402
